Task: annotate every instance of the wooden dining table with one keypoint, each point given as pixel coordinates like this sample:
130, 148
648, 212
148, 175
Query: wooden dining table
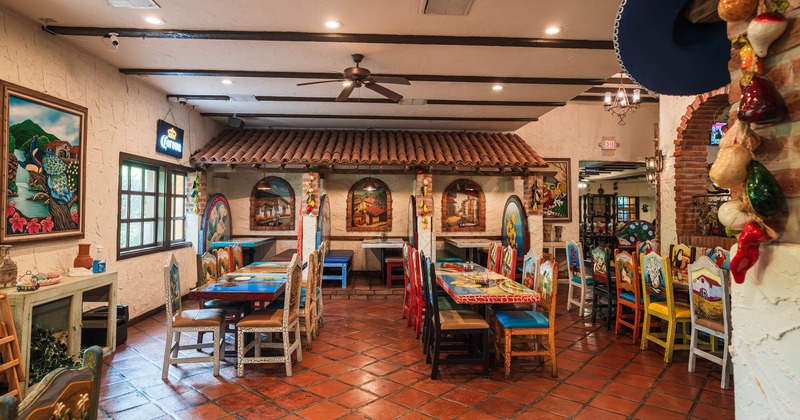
256, 282
467, 287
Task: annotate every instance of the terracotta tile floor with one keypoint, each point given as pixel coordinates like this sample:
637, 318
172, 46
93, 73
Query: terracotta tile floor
366, 364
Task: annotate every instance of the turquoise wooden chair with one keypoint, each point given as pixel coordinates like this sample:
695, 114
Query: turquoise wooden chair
711, 314
720, 257
578, 279
659, 302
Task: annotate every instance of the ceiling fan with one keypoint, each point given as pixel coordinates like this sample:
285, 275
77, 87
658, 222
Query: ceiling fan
354, 77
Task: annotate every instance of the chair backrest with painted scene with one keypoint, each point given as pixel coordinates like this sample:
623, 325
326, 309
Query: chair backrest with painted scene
680, 256
406, 265
547, 288
709, 297
657, 280
294, 278
600, 267
530, 270
626, 268
493, 260
575, 261
720, 257
208, 268
311, 283
224, 261
646, 247
172, 288
415, 270
509, 262
237, 256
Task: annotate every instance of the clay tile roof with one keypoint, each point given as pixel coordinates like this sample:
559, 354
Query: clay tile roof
360, 147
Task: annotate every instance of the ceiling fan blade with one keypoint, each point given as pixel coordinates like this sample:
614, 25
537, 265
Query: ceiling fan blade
346, 93
390, 79
315, 83
385, 92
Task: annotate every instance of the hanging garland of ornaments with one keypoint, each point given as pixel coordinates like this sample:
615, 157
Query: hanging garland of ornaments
311, 194
756, 195
424, 183
195, 195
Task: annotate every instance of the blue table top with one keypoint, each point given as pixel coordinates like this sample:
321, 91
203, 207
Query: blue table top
246, 242
251, 285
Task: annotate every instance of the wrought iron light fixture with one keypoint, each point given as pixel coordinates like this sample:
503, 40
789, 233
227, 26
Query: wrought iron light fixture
370, 186
653, 165
620, 104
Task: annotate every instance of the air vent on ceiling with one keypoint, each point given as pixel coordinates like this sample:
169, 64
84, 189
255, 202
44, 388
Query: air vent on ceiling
445, 7
134, 4
413, 101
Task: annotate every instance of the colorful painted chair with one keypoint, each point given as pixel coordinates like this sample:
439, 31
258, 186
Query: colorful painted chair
629, 293
188, 320
531, 324
530, 276
308, 300
62, 393
418, 305
224, 261
322, 253
680, 256
577, 278
508, 267
603, 287
720, 257
493, 260
284, 321
233, 308
711, 314
237, 256
657, 285
645, 247
407, 302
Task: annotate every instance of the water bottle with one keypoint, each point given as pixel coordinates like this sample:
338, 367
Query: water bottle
99, 264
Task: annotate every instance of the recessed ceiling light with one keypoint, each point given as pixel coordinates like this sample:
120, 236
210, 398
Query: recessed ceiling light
497, 87
154, 20
333, 24
552, 30
227, 81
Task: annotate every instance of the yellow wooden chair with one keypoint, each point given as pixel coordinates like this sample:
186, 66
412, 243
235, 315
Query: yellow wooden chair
657, 284
531, 324
578, 279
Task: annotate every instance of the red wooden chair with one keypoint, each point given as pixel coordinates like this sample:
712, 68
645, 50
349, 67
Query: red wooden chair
493, 260
407, 288
508, 267
418, 306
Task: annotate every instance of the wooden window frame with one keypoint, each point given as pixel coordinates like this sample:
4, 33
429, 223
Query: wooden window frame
630, 200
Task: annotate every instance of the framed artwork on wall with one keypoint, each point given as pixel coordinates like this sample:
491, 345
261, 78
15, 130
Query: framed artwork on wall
43, 179
556, 192
369, 207
272, 205
463, 207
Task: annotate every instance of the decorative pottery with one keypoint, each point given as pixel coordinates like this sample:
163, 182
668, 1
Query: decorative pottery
763, 191
733, 215
559, 231
8, 268
761, 103
83, 259
547, 232
27, 282
730, 167
736, 10
764, 29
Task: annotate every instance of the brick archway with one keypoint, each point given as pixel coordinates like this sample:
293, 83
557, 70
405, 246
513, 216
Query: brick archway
691, 161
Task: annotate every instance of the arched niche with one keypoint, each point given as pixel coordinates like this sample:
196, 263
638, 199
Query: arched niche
272, 205
368, 209
463, 207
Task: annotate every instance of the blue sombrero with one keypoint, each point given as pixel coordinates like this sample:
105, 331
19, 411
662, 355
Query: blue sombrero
665, 53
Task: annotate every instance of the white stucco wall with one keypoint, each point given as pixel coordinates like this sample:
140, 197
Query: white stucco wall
574, 131
672, 108
122, 115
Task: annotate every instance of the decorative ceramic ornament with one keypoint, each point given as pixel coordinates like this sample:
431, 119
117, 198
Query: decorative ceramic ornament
761, 103
763, 191
749, 61
730, 167
764, 29
736, 10
309, 209
27, 282
740, 133
747, 254
733, 215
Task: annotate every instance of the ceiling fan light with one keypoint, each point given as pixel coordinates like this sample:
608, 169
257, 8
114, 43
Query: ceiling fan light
347, 83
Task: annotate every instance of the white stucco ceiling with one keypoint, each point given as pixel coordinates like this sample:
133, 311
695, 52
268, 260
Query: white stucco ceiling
579, 20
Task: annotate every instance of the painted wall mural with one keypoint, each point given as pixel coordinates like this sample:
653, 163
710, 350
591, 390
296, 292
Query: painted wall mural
272, 205
556, 192
515, 226
463, 207
369, 207
43, 179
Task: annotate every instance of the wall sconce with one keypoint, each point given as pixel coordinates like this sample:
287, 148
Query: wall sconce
655, 163
650, 176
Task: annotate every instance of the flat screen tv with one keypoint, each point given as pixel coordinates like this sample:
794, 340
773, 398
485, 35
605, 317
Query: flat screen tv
717, 131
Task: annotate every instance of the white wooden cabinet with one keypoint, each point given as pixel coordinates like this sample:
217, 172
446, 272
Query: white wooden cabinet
60, 306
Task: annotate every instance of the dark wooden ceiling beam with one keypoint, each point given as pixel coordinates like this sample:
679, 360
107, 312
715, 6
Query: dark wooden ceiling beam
479, 41
174, 97
366, 117
410, 77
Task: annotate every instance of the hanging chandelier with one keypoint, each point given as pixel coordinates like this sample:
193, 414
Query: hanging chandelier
620, 104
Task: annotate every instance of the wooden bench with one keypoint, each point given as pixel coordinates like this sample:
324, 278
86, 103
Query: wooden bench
341, 260
445, 256
284, 256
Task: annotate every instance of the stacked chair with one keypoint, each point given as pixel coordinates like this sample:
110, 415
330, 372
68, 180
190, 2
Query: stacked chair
531, 324
603, 289
709, 300
659, 302
577, 278
464, 332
